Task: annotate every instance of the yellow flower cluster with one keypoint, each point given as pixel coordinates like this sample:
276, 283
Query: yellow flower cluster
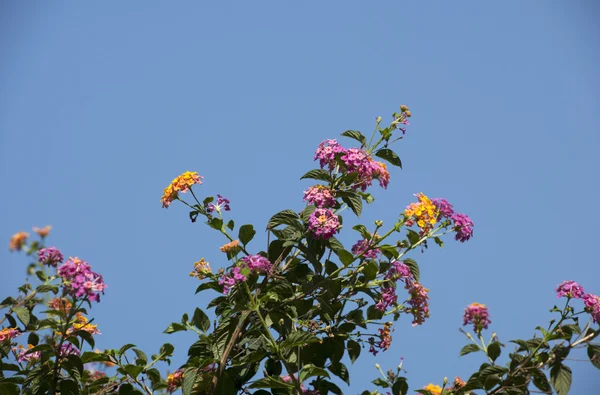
201, 269
434, 389
424, 213
180, 183
81, 324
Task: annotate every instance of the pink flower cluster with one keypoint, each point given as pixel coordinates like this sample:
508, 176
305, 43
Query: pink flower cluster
419, 305
571, 289
222, 203
24, 356
478, 315
230, 279
463, 227
50, 256
444, 207
257, 263
320, 196
8, 334
362, 247
388, 298
356, 161
80, 281
68, 349
323, 223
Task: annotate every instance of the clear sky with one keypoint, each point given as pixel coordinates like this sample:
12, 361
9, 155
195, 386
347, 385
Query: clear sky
103, 104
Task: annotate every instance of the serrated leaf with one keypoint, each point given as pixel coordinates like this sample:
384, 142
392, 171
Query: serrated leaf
133, 370
285, 217
317, 174
271, 382
541, 381
390, 156
340, 370
47, 288
299, 338
141, 356
310, 370
175, 327
189, 378
201, 320
353, 200
246, 233
561, 378
23, 315
414, 268
494, 351
469, 348
346, 257
593, 352
356, 135
125, 348
381, 382
353, 350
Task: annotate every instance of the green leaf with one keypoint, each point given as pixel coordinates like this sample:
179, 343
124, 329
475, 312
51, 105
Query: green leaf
340, 370
494, 351
175, 327
318, 174
68, 387
353, 350
356, 135
246, 234
370, 270
189, 378
286, 217
41, 276
400, 387
9, 389
272, 382
310, 370
23, 315
90, 356
299, 338
390, 156
33, 339
346, 257
141, 356
469, 348
230, 224
353, 200
381, 382
127, 389
201, 320
47, 288
540, 381
133, 370
561, 377
215, 223
414, 268
125, 348
167, 349
593, 352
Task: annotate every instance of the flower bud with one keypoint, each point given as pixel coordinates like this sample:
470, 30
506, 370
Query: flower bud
379, 223
378, 119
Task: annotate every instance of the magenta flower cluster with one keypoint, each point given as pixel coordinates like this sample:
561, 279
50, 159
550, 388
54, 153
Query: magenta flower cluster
398, 271
362, 247
80, 281
257, 263
356, 161
222, 203
444, 207
50, 256
68, 349
571, 289
323, 223
24, 356
319, 196
229, 280
388, 298
463, 226
478, 315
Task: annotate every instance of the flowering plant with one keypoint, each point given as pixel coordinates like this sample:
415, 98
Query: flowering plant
289, 318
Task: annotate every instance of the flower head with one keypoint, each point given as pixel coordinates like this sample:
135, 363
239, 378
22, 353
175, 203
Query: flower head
478, 315
592, 306
67, 349
444, 208
50, 256
81, 324
231, 247
222, 203
201, 269
424, 213
434, 389
323, 223
364, 247
398, 270
60, 304
419, 305
80, 281
463, 227
320, 196
180, 183
569, 289
458, 383
388, 298
257, 263
24, 356
385, 339
174, 380
43, 232
232, 278
326, 153
8, 334
17, 241
381, 173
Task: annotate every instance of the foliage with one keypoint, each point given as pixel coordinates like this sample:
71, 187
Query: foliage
289, 318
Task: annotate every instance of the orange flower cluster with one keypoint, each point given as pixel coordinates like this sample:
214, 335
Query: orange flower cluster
201, 269
17, 241
174, 380
60, 304
8, 334
230, 247
180, 183
43, 232
424, 213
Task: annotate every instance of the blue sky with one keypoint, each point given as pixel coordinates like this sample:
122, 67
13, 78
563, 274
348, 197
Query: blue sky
103, 104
